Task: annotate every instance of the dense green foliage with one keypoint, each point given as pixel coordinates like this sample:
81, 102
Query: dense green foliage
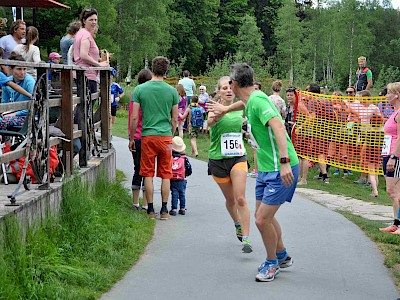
81, 253
298, 42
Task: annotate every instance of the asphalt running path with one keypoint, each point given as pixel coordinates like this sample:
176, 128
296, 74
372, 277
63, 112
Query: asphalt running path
197, 256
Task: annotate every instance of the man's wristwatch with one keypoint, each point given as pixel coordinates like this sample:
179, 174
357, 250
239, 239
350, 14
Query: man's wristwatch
284, 160
393, 156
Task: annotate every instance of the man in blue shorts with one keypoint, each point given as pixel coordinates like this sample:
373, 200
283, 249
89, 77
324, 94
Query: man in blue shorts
278, 166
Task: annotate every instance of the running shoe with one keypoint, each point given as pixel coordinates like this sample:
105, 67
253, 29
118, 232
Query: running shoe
247, 248
285, 262
239, 232
337, 172
349, 172
360, 181
326, 180
391, 228
164, 214
318, 177
135, 208
268, 273
151, 214
182, 211
172, 212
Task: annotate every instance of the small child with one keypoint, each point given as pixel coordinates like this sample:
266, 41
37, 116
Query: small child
116, 94
195, 112
181, 168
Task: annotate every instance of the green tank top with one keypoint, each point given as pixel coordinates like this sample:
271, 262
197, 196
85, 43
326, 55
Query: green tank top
230, 123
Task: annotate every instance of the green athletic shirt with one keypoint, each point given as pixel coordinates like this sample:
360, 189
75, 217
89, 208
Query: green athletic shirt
231, 122
156, 99
369, 74
259, 111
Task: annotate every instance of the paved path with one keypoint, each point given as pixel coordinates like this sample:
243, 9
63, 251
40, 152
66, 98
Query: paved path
197, 256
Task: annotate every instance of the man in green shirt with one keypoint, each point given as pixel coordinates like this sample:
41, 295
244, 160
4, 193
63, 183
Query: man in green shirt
159, 103
278, 166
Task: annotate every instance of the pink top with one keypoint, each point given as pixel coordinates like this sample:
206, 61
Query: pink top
94, 53
391, 129
138, 132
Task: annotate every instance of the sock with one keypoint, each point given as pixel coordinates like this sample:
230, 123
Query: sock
320, 174
271, 262
237, 224
282, 254
164, 204
324, 176
396, 222
150, 207
137, 205
145, 207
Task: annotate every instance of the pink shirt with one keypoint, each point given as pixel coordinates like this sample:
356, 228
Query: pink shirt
391, 129
94, 53
138, 132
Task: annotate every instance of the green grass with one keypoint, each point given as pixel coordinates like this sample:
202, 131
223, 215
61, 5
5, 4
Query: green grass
387, 243
78, 255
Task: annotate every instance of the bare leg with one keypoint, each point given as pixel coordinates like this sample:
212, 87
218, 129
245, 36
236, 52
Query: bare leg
265, 224
180, 129
238, 178
227, 190
135, 196
373, 179
149, 189
165, 189
393, 190
194, 146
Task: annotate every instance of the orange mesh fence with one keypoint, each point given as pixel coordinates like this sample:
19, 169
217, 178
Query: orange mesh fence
342, 131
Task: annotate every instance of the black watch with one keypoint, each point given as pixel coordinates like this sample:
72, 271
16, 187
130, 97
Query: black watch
393, 156
284, 160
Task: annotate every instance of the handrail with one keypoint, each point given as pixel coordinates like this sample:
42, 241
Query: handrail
67, 101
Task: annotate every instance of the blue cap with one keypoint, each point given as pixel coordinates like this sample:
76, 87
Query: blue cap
113, 72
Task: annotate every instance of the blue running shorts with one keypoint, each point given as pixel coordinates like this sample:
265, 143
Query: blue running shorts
271, 190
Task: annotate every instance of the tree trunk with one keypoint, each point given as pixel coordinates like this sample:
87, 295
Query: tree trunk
351, 53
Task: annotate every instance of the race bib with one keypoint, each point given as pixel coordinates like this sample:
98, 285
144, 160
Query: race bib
232, 144
387, 140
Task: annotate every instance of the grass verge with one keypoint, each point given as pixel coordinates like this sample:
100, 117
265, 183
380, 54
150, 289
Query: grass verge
387, 243
81, 253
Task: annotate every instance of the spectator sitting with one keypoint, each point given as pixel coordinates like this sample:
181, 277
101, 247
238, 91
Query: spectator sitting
26, 82
29, 51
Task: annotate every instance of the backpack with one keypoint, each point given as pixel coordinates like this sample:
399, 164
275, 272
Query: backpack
178, 167
18, 164
197, 119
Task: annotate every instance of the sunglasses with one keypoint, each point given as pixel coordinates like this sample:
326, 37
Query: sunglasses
291, 89
349, 92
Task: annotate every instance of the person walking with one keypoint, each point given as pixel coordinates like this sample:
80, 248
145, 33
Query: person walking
188, 84
391, 155
137, 180
278, 166
159, 103
228, 162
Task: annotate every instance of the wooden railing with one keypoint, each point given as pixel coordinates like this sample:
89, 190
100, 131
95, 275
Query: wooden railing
44, 99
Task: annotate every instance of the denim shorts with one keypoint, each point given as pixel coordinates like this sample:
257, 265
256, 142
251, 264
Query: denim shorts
271, 190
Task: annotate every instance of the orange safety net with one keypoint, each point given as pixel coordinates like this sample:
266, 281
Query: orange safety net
342, 131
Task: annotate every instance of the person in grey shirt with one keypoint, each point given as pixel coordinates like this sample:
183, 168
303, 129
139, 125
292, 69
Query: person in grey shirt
68, 40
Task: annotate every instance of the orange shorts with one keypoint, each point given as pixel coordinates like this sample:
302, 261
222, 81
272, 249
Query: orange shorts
159, 147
